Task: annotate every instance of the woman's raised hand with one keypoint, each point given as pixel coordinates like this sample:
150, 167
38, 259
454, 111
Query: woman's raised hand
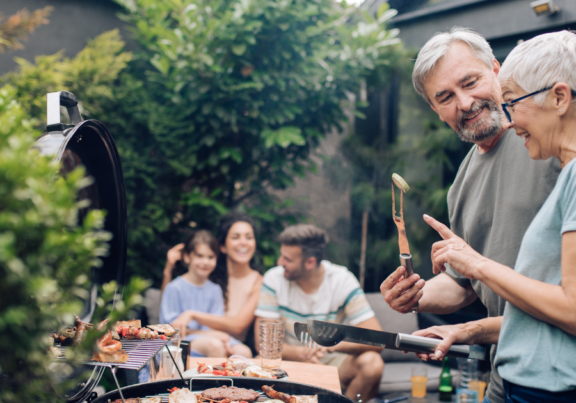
453, 251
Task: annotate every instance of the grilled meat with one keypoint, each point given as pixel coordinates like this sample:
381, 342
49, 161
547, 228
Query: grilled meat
232, 393
81, 328
278, 395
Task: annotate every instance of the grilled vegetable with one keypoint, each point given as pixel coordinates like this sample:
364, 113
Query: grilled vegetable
401, 183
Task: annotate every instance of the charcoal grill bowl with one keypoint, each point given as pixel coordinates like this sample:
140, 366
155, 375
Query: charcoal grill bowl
158, 387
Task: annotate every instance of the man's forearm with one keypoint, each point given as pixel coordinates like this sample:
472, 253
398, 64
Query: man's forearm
443, 295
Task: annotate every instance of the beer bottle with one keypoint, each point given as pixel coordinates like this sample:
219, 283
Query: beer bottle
445, 388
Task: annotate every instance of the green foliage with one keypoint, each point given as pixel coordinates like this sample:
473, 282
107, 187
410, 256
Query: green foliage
225, 101
45, 257
89, 75
235, 96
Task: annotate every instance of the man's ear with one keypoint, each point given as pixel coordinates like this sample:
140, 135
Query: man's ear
496, 67
311, 263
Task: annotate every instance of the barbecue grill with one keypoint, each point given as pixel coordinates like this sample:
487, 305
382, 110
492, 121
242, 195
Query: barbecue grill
90, 144
160, 388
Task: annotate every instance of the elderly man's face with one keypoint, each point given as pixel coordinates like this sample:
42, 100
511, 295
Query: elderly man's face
466, 94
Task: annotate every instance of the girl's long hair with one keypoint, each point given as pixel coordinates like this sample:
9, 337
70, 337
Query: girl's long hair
220, 274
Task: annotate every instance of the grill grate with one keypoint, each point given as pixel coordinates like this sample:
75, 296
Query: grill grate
139, 353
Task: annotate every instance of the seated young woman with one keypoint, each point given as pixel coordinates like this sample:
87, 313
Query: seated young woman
235, 272
193, 292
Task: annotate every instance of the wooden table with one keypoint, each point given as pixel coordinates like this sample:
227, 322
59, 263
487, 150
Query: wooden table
323, 376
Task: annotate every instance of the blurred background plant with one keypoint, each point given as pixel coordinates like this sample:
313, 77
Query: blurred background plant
18, 26
224, 102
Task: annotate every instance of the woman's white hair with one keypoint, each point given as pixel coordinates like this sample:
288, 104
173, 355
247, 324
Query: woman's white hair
542, 62
438, 46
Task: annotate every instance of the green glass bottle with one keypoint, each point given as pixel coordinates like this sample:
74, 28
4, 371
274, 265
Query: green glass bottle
445, 388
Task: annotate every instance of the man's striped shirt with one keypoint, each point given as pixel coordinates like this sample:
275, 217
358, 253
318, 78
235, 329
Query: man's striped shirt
339, 299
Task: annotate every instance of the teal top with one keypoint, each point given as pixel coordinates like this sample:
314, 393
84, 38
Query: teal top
531, 352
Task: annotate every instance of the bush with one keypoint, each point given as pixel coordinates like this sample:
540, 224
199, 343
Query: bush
236, 95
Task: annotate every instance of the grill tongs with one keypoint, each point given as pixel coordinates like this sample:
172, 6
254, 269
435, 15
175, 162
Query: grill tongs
329, 334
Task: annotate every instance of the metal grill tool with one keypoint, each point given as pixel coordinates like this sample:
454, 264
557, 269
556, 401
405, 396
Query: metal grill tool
327, 334
405, 256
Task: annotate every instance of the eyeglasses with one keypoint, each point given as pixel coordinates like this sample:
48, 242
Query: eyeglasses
511, 103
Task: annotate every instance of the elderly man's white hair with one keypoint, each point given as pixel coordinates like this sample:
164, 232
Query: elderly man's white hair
542, 62
438, 46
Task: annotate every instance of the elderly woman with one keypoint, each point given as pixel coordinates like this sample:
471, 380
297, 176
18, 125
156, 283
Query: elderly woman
537, 337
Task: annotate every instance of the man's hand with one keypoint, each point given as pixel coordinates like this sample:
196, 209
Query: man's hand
311, 355
454, 251
402, 293
450, 334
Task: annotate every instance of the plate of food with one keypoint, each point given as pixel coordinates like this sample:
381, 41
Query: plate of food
234, 366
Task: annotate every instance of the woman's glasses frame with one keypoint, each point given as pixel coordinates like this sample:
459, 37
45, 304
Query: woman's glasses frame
511, 103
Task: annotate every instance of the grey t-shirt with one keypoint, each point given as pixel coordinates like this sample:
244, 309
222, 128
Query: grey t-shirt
492, 202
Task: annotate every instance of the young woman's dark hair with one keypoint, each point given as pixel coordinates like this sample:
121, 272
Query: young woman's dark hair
220, 273
196, 238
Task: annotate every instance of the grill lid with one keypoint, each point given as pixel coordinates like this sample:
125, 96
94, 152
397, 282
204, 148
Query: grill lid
89, 143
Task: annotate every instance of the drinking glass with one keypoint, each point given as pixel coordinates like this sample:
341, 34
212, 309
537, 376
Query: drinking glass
419, 379
271, 343
162, 366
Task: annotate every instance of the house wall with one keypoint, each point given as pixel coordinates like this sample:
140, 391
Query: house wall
72, 24
501, 22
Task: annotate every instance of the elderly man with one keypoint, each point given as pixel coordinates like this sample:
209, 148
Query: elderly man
497, 192
304, 286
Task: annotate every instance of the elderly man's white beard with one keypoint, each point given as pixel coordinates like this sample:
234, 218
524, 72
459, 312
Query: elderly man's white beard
486, 128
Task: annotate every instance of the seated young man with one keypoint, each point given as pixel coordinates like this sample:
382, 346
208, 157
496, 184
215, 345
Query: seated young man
304, 286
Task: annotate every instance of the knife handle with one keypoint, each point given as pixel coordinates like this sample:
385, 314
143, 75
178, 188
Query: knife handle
418, 344
406, 261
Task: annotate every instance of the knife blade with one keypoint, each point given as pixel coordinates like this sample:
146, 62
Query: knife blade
329, 334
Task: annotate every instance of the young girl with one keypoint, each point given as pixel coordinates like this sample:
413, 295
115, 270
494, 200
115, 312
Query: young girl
193, 292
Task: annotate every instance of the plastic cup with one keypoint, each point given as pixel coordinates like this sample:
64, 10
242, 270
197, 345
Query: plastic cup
271, 343
419, 379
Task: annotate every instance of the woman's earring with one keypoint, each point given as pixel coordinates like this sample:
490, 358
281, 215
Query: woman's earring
561, 110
